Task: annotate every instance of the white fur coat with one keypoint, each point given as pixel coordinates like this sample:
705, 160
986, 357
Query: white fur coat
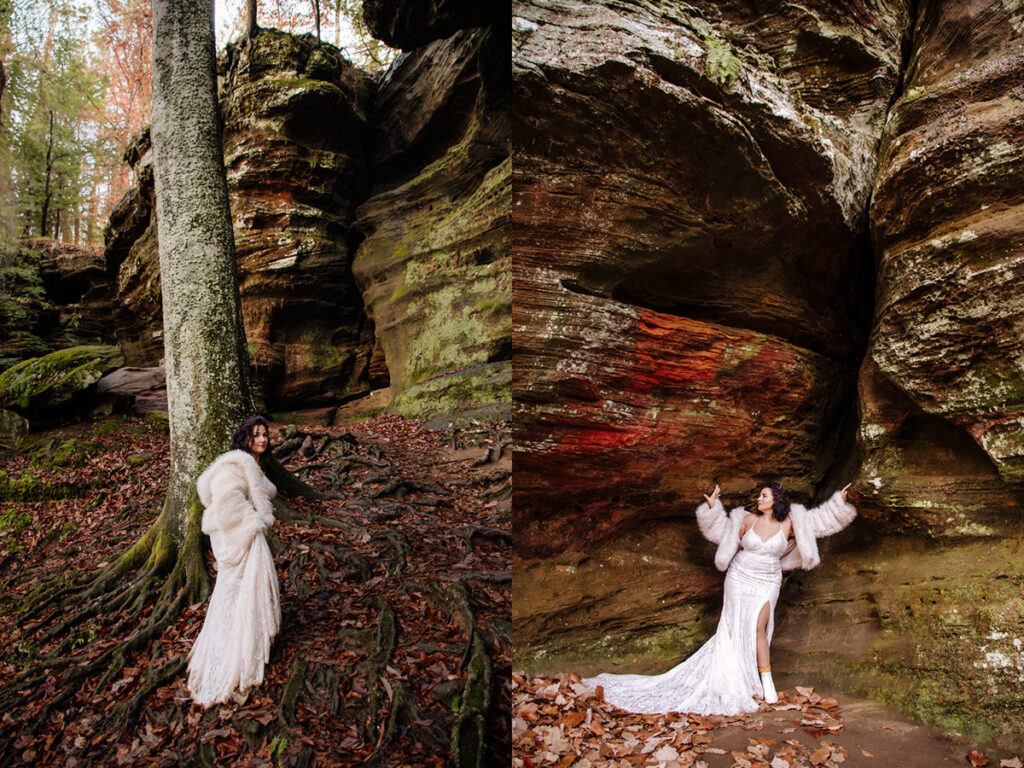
237, 497
244, 615
809, 525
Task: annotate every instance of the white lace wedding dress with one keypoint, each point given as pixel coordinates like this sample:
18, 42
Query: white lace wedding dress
244, 615
721, 678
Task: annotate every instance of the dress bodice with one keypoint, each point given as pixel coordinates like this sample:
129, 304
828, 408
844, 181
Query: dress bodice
774, 546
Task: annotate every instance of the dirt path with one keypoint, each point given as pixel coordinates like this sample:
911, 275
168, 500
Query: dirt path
872, 736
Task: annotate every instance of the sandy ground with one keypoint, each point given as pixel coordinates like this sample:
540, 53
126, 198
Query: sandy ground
874, 736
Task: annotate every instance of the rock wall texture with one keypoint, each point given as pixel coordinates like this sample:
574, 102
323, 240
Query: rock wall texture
434, 267
295, 121
692, 280
294, 135
423, 154
405, 25
133, 260
778, 245
52, 295
948, 230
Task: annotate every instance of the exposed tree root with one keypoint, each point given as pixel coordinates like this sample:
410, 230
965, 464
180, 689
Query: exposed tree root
469, 735
392, 707
294, 439
292, 690
398, 550
287, 483
471, 532
488, 577
495, 452
155, 679
399, 487
111, 600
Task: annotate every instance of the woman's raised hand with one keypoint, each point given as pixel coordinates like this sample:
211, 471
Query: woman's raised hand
716, 493
845, 490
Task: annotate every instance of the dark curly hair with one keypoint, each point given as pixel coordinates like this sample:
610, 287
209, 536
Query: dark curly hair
780, 501
241, 440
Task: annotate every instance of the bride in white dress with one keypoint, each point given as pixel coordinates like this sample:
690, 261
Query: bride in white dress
244, 615
730, 669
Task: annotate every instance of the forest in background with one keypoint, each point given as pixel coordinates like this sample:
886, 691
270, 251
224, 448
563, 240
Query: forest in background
75, 89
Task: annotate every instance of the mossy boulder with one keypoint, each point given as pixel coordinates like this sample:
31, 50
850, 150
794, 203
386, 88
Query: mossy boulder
58, 387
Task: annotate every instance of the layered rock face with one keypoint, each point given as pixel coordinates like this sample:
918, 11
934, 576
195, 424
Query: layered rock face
434, 267
301, 144
677, 238
52, 295
295, 129
406, 25
944, 375
133, 259
692, 284
295, 124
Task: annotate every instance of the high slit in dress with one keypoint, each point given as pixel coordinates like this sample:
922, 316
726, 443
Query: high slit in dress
721, 678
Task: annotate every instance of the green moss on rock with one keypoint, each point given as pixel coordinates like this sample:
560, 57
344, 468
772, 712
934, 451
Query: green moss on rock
53, 380
458, 393
30, 487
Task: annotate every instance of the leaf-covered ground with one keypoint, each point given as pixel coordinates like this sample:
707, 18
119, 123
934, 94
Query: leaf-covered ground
557, 721
395, 598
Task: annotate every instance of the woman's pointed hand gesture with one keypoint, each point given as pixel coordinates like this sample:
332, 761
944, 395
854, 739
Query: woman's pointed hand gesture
714, 496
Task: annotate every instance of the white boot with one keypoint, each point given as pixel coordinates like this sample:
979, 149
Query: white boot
770, 696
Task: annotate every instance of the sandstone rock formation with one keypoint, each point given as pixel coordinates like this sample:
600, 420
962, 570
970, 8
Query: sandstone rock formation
76, 281
12, 426
134, 262
301, 147
52, 295
295, 124
692, 280
948, 230
145, 389
406, 25
434, 267
706, 204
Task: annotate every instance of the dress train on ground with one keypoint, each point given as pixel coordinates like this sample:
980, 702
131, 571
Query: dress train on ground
721, 678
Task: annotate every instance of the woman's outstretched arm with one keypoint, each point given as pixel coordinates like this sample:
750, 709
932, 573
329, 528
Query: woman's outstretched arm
834, 514
711, 517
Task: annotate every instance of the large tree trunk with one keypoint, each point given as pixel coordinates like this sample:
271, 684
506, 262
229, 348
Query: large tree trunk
251, 28
204, 341
208, 391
